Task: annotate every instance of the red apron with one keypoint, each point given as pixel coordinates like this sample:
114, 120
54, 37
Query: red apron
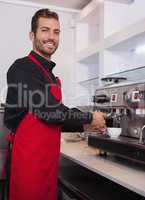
35, 156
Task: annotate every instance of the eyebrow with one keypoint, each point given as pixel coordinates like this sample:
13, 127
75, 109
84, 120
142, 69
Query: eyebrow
49, 28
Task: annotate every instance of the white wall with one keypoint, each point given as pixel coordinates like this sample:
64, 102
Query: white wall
118, 16
86, 35
14, 43
81, 36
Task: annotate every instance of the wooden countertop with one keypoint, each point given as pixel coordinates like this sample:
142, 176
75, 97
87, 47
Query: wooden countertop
127, 176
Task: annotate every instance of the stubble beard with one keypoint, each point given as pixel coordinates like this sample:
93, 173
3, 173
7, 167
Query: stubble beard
38, 46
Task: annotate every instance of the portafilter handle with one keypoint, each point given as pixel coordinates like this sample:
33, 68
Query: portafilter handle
141, 135
112, 115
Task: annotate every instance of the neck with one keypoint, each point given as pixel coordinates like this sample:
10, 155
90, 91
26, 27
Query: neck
39, 53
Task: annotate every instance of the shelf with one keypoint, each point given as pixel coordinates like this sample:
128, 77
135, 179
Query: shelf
132, 75
127, 39
89, 13
95, 79
124, 41
123, 1
89, 55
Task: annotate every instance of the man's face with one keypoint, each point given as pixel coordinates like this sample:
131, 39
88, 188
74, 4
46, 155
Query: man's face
46, 39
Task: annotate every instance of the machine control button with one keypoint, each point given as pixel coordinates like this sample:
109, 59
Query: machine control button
114, 98
135, 96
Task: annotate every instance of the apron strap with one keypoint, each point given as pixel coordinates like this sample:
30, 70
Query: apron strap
34, 60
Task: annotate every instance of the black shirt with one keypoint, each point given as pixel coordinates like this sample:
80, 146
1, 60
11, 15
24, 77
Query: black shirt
24, 81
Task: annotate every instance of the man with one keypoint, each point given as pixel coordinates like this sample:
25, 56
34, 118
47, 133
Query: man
35, 113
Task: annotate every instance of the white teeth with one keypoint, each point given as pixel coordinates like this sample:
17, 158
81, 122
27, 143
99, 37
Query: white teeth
50, 44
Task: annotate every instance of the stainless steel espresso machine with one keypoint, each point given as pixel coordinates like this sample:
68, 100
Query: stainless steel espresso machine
124, 104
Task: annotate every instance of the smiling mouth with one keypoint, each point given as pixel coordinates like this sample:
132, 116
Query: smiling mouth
49, 44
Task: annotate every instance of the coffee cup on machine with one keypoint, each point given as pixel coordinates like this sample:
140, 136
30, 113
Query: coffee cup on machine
114, 132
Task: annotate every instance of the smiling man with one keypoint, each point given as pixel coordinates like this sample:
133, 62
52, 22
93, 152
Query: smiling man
46, 37
36, 115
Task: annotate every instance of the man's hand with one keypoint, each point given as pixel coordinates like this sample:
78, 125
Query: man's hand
98, 122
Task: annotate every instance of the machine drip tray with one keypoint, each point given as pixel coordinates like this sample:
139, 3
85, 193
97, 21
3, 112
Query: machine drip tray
122, 139
124, 147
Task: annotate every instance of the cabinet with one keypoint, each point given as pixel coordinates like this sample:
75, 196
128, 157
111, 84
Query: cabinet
107, 35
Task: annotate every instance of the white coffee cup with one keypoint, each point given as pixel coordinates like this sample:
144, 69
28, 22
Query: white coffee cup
114, 132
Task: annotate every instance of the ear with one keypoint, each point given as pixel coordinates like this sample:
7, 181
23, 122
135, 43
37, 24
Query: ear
31, 36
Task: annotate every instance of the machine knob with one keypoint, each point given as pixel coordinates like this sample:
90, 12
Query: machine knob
135, 130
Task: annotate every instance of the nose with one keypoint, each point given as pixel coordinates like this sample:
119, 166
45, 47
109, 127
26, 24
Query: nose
51, 35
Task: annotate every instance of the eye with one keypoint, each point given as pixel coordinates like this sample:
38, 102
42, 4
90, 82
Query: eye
57, 32
44, 30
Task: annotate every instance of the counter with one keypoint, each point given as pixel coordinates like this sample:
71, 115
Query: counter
130, 177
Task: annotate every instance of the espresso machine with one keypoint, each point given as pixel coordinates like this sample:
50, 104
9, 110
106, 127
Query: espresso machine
124, 104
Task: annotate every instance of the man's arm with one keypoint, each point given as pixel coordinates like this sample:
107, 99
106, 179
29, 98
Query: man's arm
50, 111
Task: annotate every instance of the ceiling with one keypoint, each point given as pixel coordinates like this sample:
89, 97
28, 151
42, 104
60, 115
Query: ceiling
72, 4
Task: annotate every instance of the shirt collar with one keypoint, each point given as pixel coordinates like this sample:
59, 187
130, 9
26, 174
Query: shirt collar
46, 63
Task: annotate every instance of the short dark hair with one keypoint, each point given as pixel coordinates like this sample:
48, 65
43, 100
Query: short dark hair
46, 13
